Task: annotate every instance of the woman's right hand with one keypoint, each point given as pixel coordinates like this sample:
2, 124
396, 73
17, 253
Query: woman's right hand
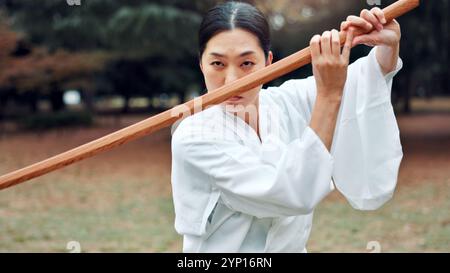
329, 64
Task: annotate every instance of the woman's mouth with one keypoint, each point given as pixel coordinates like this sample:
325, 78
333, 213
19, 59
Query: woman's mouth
235, 98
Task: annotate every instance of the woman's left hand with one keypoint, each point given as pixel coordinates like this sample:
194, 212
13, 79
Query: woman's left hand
383, 33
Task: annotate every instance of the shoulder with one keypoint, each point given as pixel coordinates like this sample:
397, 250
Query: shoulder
291, 90
293, 96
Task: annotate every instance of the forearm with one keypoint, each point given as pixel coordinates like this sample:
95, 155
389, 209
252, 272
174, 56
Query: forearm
387, 57
324, 117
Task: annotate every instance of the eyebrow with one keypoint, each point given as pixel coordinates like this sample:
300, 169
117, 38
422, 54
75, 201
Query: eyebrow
245, 53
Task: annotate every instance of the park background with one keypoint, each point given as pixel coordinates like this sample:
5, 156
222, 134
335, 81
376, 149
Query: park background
72, 73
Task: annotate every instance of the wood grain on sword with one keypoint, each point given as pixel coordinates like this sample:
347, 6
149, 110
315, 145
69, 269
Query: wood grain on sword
170, 116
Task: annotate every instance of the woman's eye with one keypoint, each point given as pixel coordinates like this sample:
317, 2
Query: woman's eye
247, 64
217, 63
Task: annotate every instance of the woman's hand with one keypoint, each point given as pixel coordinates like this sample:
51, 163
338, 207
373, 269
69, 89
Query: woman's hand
330, 72
329, 64
383, 33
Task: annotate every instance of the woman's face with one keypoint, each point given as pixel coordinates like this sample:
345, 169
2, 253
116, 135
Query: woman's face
230, 55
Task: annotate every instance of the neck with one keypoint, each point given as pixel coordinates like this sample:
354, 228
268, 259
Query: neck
251, 115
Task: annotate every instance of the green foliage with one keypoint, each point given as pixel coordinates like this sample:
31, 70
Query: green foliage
154, 30
140, 27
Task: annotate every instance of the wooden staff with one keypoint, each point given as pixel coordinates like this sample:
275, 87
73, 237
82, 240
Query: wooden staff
170, 116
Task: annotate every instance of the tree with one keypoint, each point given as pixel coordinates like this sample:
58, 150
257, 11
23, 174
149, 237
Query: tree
158, 39
40, 72
159, 35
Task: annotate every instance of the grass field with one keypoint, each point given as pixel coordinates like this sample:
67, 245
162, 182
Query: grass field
120, 201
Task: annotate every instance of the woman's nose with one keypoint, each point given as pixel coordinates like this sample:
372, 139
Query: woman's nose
231, 76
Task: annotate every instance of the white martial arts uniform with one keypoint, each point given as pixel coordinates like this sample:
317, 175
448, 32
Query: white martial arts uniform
235, 193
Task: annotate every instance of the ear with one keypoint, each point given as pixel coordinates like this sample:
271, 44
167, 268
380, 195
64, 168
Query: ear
269, 58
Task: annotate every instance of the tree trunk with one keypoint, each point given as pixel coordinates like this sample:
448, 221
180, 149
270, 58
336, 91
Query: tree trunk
88, 100
407, 96
56, 100
32, 99
126, 108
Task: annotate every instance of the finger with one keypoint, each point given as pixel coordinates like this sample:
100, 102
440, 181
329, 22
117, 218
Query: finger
367, 39
348, 43
335, 43
314, 45
359, 22
368, 16
325, 43
344, 25
379, 14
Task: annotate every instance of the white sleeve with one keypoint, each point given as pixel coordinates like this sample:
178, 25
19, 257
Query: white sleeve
292, 181
366, 145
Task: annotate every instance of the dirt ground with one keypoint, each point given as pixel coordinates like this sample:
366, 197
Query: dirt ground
146, 157
426, 148
137, 174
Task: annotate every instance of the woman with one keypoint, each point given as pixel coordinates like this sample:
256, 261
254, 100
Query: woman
247, 174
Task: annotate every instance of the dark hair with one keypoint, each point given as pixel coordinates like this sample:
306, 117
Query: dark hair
231, 15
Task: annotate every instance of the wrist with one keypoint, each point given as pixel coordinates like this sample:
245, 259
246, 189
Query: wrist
387, 57
394, 46
335, 98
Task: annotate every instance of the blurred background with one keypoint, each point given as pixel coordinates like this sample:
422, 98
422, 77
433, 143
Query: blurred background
72, 71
